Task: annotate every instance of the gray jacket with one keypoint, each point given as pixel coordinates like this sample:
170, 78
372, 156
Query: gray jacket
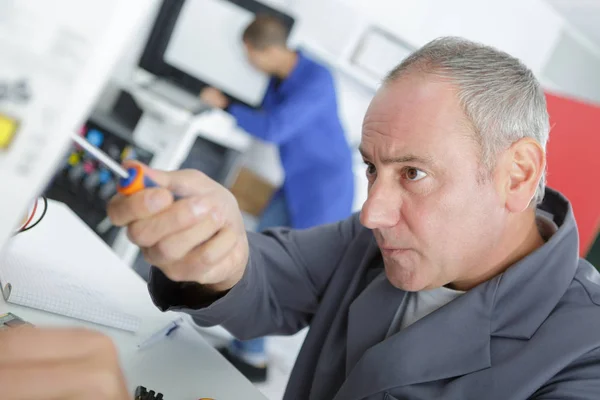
532, 332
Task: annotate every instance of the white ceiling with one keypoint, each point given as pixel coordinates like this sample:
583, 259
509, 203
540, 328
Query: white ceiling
583, 15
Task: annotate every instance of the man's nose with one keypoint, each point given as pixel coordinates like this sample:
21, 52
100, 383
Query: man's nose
382, 208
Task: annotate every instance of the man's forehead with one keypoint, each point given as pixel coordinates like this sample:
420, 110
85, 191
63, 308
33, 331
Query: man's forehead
416, 109
396, 154
412, 93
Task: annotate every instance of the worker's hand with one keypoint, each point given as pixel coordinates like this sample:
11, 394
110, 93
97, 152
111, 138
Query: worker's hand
199, 238
42, 364
214, 98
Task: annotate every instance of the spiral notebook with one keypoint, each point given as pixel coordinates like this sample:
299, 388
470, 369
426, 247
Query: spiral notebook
26, 283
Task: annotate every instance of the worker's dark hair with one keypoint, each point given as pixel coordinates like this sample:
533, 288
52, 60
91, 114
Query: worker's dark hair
265, 31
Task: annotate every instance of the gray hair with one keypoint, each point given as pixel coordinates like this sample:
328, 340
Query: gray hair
501, 98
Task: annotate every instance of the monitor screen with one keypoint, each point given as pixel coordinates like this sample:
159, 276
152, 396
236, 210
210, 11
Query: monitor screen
195, 43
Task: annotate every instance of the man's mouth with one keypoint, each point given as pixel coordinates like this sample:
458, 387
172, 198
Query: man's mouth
392, 251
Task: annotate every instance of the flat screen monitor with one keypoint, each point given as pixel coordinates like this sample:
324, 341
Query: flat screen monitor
195, 43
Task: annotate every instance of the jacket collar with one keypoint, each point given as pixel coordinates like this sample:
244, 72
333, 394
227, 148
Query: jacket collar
530, 289
371, 313
452, 341
455, 340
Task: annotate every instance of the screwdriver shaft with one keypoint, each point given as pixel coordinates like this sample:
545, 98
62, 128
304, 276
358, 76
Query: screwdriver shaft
101, 156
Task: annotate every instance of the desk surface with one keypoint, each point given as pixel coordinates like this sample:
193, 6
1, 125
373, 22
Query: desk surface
183, 366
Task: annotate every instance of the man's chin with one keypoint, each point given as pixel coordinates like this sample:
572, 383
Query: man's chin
407, 279
406, 286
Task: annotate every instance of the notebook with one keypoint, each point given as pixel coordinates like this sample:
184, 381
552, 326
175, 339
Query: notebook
27, 283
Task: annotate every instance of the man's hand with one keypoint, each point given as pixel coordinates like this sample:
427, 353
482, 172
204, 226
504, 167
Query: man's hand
214, 98
42, 364
199, 238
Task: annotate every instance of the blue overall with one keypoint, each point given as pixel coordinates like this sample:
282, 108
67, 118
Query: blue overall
300, 115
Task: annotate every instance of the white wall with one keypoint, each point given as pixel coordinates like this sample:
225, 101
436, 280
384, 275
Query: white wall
531, 30
135, 48
527, 29
573, 69
524, 28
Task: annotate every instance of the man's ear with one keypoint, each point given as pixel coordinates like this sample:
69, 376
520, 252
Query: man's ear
524, 164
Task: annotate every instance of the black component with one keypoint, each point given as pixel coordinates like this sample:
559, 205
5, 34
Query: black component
153, 60
141, 393
211, 158
126, 110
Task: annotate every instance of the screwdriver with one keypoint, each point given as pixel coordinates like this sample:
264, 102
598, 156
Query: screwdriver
131, 181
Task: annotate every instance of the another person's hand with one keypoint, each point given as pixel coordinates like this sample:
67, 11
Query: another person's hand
42, 364
214, 98
199, 238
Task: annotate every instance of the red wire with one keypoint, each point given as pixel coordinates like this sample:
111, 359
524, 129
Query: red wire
31, 216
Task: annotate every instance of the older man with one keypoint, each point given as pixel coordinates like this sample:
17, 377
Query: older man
457, 281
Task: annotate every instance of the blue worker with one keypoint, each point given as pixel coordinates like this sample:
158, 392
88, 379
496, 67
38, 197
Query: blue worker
299, 114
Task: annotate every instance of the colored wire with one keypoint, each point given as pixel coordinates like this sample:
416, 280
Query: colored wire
30, 216
40, 218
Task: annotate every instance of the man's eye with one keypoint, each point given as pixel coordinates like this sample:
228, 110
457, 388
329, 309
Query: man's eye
414, 174
370, 169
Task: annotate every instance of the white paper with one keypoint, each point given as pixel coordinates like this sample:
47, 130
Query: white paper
207, 44
28, 282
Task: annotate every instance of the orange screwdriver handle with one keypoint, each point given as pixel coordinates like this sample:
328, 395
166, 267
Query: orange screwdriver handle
136, 181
